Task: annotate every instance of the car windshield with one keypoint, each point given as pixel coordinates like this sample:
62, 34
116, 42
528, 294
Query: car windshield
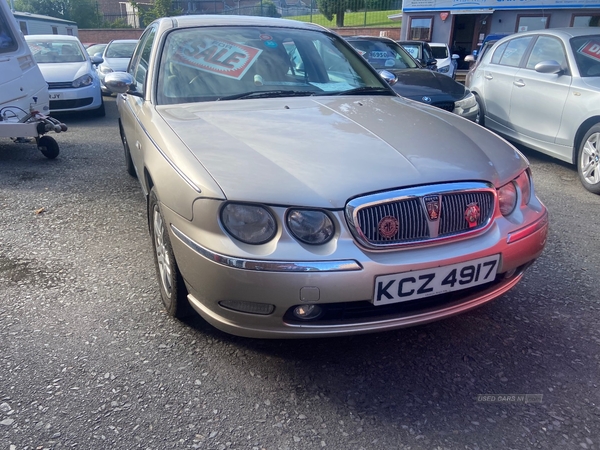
587, 55
226, 63
439, 52
384, 54
120, 49
56, 51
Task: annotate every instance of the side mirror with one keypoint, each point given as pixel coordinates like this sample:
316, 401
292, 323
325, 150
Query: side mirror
97, 59
389, 77
121, 83
469, 58
455, 56
551, 66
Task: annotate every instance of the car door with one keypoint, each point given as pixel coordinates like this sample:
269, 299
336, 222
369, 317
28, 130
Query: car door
538, 99
138, 68
498, 77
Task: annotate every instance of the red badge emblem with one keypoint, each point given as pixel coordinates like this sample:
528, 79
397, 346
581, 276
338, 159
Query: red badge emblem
432, 204
388, 227
472, 214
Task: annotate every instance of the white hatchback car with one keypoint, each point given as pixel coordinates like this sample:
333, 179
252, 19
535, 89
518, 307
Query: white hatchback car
446, 62
73, 83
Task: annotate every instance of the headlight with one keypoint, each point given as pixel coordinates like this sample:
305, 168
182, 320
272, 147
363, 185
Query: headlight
443, 69
524, 183
467, 102
507, 198
85, 80
310, 226
251, 224
105, 69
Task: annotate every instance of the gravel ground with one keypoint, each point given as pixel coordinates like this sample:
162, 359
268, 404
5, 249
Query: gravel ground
90, 360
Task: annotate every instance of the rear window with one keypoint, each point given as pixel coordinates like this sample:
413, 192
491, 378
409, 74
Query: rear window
439, 52
7, 40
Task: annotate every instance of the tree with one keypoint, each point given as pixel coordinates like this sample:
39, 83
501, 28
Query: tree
83, 12
338, 8
160, 8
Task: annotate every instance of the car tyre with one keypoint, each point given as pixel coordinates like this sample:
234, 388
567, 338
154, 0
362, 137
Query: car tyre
48, 146
588, 160
172, 288
480, 117
128, 161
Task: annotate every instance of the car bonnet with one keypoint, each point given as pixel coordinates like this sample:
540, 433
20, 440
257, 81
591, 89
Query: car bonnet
323, 151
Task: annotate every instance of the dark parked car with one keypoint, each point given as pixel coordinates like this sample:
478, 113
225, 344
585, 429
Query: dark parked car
422, 52
412, 80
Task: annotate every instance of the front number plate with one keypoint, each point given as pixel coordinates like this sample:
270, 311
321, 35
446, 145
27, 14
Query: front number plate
407, 286
54, 96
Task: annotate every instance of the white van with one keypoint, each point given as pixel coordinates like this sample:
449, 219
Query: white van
24, 102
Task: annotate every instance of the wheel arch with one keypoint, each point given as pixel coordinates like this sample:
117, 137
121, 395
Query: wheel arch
583, 128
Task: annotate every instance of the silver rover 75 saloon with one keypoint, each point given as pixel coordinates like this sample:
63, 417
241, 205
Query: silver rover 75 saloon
292, 193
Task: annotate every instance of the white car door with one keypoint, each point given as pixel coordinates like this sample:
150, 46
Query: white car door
538, 99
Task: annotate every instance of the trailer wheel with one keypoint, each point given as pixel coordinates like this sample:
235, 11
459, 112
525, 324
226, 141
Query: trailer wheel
48, 146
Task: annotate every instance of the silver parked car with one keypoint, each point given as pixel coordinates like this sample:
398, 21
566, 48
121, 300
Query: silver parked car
542, 89
292, 193
116, 57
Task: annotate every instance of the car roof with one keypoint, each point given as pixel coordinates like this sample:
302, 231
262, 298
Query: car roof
129, 41
565, 33
231, 20
51, 37
437, 44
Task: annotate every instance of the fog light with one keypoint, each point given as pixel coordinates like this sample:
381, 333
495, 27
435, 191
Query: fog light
248, 307
510, 273
307, 312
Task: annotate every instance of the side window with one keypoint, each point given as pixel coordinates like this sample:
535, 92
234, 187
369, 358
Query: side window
547, 48
141, 59
514, 51
498, 53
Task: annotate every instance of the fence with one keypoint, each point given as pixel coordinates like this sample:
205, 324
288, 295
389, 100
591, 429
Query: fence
352, 13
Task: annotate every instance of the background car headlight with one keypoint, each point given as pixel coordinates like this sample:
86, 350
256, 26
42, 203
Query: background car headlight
84, 80
443, 69
105, 69
467, 102
507, 198
310, 226
251, 224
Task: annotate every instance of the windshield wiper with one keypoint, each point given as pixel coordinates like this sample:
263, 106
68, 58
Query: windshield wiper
267, 94
365, 90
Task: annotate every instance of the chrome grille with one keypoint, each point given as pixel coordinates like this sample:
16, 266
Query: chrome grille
452, 217
401, 217
60, 85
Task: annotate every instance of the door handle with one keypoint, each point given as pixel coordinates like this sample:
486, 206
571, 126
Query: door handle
488, 76
519, 83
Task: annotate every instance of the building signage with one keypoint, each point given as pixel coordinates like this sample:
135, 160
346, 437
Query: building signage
450, 5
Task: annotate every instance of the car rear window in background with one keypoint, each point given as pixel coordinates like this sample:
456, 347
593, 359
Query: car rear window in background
587, 55
439, 52
120, 49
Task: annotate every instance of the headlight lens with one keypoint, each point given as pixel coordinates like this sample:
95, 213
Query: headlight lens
310, 226
444, 69
524, 183
251, 224
507, 197
105, 69
467, 102
85, 80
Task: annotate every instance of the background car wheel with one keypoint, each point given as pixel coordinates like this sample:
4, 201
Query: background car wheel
480, 118
48, 146
588, 160
172, 287
128, 161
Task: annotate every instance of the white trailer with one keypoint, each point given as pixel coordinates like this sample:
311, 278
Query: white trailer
24, 101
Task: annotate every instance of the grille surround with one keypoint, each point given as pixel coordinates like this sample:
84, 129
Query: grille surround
364, 214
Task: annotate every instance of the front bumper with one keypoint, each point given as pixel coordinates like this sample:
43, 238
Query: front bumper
76, 99
343, 283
